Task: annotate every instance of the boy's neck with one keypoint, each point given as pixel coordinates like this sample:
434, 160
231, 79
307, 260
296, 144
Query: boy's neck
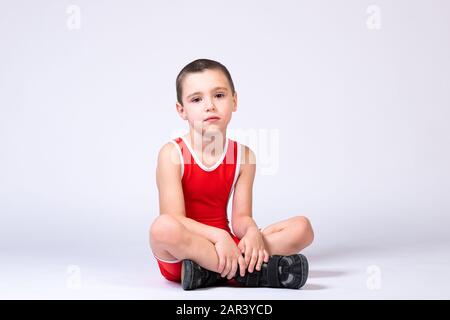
209, 143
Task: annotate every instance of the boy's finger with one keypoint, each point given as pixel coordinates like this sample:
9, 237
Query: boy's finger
227, 268
266, 256
253, 261
248, 256
233, 269
241, 246
242, 267
221, 264
260, 260
223, 272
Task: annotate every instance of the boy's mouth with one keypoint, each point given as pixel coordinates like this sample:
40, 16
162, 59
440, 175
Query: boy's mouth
212, 119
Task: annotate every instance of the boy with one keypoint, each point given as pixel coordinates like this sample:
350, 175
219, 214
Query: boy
196, 174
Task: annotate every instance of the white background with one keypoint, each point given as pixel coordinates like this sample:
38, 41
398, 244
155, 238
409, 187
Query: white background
362, 117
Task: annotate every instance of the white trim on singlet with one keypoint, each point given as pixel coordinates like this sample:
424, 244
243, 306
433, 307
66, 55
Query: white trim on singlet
166, 261
181, 157
236, 172
200, 164
238, 163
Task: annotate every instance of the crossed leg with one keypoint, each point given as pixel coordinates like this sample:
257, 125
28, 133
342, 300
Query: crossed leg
170, 240
288, 236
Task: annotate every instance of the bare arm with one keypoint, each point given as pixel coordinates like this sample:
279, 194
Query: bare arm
252, 244
242, 218
171, 199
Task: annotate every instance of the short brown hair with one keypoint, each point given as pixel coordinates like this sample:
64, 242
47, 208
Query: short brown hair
200, 65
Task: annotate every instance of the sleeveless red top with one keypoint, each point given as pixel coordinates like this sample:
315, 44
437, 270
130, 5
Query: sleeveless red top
207, 190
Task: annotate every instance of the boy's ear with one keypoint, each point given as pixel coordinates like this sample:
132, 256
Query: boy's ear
180, 110
235, 101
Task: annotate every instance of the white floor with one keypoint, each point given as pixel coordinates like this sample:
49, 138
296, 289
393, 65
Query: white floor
366, 272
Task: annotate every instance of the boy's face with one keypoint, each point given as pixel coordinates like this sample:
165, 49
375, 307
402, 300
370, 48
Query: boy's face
207, 94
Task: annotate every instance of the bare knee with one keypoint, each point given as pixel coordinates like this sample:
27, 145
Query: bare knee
305, 231
166, 230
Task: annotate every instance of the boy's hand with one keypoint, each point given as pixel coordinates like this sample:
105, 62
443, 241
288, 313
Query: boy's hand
229, 257
253, 248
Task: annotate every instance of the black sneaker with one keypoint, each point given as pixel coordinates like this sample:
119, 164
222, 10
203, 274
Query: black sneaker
194, 276
280, 272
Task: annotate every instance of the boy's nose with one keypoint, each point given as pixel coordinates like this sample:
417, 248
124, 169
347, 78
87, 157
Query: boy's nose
209, 105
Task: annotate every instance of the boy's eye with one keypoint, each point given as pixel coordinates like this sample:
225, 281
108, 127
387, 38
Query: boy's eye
219, 95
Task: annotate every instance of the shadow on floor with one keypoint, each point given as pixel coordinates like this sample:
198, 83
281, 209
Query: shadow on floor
307, 286
343, 252
313, 287
327, 273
